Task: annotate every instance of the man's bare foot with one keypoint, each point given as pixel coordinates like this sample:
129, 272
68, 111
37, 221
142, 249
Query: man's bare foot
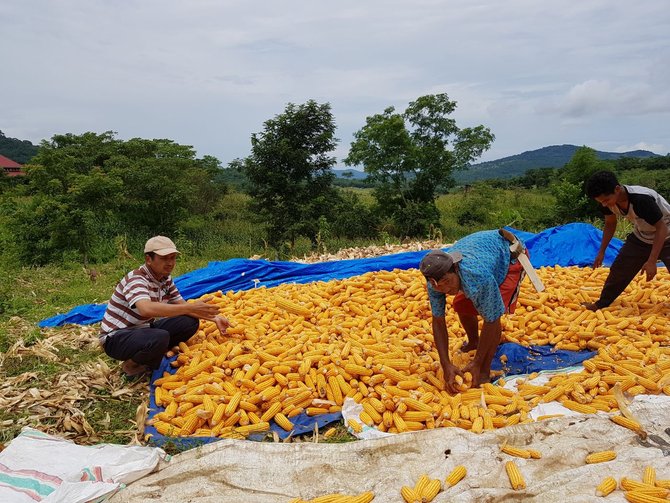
591, 306
131, 369
483, 379
470, 346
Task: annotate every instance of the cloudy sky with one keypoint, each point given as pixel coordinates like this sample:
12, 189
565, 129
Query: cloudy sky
208, 73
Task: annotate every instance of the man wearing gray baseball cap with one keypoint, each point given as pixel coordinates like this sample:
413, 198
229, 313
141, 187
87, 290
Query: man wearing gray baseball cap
147, 315
484, 276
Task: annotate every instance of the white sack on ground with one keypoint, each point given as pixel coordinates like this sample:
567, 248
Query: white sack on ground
40, 467
242, 471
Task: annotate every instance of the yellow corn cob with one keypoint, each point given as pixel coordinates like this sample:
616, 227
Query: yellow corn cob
534, 454
270, 393
365, 497
553, 394
365, 417
192, 371
431, 490
272, 411
232, 420
372, 412
329, 498
606, 486
283, 421
417, 405
359, 370
640, 497
664, 483
421, 484
579, 407
455, 476
253, 428
477, 425
377, 404
515, 451
649, 475
515, 477
641, 487
600, 457
190, 425
218, 414
627, 423
409, 495
166, 429
232, 405
171, 410
354, 425
292, 307
399, 422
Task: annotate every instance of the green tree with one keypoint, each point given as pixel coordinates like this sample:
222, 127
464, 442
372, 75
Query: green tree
85, 190
290, 173
410, 156
571, 200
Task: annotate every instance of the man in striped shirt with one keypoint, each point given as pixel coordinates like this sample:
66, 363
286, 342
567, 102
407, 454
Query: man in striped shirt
146, 315
649, 242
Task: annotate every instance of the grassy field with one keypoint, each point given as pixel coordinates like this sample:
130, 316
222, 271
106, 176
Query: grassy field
86, 397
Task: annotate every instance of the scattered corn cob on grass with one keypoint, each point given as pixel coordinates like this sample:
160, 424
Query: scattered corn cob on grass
298, 349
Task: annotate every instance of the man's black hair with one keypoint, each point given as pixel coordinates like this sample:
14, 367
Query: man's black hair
151, 254
601, 183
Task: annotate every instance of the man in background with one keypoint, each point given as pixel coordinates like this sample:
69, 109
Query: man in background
649, 242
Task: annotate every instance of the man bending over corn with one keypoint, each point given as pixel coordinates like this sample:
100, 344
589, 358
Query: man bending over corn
146, 314
649, 213
484, 276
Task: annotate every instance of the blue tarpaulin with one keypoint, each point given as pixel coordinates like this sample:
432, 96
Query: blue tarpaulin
567, 245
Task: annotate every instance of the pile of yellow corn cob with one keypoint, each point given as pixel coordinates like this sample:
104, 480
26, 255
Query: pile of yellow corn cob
304, 348
649, 490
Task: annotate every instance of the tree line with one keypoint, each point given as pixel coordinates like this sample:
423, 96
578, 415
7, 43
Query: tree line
83, 191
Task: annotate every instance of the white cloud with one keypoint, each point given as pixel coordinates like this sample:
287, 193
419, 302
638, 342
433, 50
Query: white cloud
209, 73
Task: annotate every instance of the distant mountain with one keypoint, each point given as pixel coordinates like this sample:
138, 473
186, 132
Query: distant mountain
20, 151
355, 174
555, 156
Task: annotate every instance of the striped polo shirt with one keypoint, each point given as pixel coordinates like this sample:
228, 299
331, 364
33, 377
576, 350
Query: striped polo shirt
646, 207
135, 286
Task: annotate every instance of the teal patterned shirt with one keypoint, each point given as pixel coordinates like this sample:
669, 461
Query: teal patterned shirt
486, 259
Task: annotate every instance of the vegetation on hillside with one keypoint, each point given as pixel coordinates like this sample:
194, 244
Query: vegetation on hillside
20, 151
555, 156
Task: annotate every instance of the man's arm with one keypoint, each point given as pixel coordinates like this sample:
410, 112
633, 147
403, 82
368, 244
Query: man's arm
197, 309
441, 338
649, 267
608, 234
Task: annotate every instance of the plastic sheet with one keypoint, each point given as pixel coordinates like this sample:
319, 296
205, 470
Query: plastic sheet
567, 245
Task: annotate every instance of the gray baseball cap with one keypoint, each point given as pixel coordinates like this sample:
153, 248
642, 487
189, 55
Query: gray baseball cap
436, 263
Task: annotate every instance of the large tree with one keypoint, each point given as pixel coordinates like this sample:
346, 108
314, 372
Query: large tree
85, 190
411, 155
290, 173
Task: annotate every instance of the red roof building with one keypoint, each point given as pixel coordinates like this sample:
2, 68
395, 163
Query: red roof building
10, 167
